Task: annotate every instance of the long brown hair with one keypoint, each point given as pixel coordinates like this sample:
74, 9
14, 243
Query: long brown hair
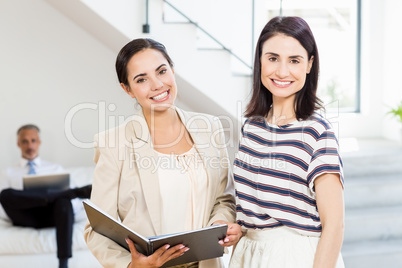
306, 101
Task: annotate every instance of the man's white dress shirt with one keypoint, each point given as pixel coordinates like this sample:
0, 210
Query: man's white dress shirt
11, 177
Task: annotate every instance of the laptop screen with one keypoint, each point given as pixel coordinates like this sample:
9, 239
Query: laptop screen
60, 181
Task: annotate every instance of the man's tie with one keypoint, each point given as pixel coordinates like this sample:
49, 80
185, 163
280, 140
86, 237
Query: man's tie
31, 168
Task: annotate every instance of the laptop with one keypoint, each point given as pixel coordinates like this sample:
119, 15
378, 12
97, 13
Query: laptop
56, 182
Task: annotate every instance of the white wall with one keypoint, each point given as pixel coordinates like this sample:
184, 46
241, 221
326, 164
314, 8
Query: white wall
48, 66
127, 16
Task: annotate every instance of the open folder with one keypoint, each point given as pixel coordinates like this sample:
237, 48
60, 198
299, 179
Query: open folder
203, 243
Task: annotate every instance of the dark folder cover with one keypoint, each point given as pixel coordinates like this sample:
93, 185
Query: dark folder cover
203, 243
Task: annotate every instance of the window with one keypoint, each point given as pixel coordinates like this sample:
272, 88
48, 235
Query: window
336, 28
335, 24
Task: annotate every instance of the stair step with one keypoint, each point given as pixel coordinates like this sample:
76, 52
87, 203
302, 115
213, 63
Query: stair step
373, 254
384, 162
373, 224
373, 191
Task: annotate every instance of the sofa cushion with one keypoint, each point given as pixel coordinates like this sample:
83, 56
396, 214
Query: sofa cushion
24, 240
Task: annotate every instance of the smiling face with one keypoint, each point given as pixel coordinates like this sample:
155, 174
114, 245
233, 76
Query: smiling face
29, 142
151, 81
284, 66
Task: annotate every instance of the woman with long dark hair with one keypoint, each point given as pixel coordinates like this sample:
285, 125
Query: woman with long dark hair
288, 172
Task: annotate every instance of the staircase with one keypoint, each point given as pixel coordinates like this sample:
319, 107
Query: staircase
373, 205
373, 175
204, 77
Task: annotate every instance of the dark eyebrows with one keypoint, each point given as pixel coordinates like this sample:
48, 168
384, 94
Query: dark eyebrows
160, 66
138, 76
291, 57
143, 74
271, 53
296, 56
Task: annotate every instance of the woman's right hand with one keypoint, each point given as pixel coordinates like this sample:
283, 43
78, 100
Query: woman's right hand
157, 259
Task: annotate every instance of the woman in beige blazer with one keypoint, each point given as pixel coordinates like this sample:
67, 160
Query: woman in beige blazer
127, 177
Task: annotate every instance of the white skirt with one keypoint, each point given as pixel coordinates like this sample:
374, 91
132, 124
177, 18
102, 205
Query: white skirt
279, 247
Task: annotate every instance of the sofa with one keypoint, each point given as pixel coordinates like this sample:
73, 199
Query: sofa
22, 246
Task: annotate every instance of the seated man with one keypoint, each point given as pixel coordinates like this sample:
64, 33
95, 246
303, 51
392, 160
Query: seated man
39, 208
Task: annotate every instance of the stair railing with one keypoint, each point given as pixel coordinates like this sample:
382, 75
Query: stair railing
208, 34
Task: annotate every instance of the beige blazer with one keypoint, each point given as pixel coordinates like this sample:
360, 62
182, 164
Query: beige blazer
126, 184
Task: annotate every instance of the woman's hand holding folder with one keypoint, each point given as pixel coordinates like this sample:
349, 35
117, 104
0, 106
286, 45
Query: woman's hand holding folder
158, 258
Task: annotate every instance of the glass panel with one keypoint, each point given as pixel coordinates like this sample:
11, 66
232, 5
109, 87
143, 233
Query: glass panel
334, 24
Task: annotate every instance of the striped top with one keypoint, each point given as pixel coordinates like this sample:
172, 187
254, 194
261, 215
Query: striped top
275, 169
